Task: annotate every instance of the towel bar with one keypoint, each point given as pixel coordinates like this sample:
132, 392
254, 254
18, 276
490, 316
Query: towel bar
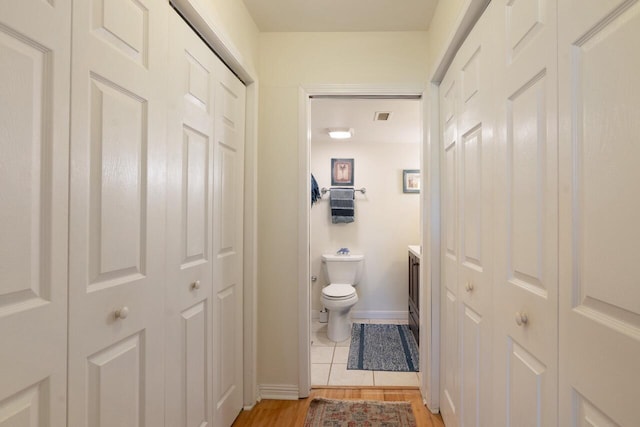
325, 189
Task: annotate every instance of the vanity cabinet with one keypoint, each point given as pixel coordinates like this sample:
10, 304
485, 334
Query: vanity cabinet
414, 295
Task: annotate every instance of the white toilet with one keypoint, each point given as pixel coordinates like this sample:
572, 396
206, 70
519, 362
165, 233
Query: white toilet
343, 272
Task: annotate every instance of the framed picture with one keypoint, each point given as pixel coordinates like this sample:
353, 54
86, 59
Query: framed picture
411, 181
342, 172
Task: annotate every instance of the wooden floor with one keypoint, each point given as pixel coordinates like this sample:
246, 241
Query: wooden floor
291, 413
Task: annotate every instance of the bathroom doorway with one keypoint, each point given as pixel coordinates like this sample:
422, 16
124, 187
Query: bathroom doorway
383, 157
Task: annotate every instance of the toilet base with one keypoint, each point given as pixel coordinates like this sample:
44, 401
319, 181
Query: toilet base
339, 328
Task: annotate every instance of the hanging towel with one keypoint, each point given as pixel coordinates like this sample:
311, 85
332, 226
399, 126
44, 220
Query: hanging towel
342, 203
315, 191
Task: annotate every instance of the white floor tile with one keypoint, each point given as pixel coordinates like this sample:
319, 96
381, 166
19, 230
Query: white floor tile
320, 338
386, 378
340, 375
345, 343
321, 354
320, 373
341, 355
329, 361
317, 326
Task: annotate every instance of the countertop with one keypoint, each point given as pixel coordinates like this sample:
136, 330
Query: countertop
416, 250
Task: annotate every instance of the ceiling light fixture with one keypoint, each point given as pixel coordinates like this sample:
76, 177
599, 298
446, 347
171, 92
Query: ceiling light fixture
340, 133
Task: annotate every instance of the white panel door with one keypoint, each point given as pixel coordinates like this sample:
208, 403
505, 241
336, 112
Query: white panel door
34, 152
599, 202
476, 121
228, 212
468, 131
526, 216
189, 227
117, 205
449, 354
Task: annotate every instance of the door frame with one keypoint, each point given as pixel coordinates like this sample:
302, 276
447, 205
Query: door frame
304, 208
210, 30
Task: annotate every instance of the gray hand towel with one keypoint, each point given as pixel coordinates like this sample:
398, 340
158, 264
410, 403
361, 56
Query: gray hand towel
342, 202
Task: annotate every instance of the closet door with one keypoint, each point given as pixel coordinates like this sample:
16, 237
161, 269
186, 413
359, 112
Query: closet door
117, 257
34, 149
449, 354
599, 204
468, 134
228, 214
189, 227
526, 216
476, 122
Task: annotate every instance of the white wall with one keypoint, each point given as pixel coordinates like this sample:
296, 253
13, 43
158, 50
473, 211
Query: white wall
232, 19
386, 221
443, 24
287, 61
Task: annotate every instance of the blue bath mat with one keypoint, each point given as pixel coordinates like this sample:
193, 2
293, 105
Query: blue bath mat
382, 348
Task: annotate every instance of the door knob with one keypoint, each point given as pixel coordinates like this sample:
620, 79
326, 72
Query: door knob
314, 278
195, 285
121, 313
521, 318
468, 287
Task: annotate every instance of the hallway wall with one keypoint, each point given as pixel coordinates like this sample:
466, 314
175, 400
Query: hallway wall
287, 61
235, 23
442, 26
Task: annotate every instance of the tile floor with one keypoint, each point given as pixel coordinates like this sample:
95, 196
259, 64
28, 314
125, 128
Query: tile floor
329, 362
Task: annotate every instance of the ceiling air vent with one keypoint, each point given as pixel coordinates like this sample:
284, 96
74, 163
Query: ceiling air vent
382, 116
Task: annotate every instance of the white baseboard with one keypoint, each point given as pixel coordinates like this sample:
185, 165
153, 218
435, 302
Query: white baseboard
371, 314
278, 391
378, 314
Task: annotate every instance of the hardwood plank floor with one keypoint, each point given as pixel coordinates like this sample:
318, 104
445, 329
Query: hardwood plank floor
292, 413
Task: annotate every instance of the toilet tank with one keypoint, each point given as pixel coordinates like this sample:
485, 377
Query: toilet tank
346, 269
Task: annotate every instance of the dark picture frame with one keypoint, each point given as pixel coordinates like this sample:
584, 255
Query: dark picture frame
411, 180
342, 172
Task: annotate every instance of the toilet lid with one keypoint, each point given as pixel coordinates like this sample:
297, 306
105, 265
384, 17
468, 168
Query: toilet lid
337, 290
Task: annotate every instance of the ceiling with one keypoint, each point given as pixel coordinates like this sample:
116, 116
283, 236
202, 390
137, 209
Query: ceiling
341, 15
403, 125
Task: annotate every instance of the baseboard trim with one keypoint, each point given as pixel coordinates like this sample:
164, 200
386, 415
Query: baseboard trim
371, 314
278, 391
378, 314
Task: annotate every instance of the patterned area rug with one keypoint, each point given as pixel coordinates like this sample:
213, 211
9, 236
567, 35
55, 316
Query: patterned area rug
382, 348
359, 413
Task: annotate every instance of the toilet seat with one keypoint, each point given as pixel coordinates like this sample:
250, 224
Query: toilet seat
338, 291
